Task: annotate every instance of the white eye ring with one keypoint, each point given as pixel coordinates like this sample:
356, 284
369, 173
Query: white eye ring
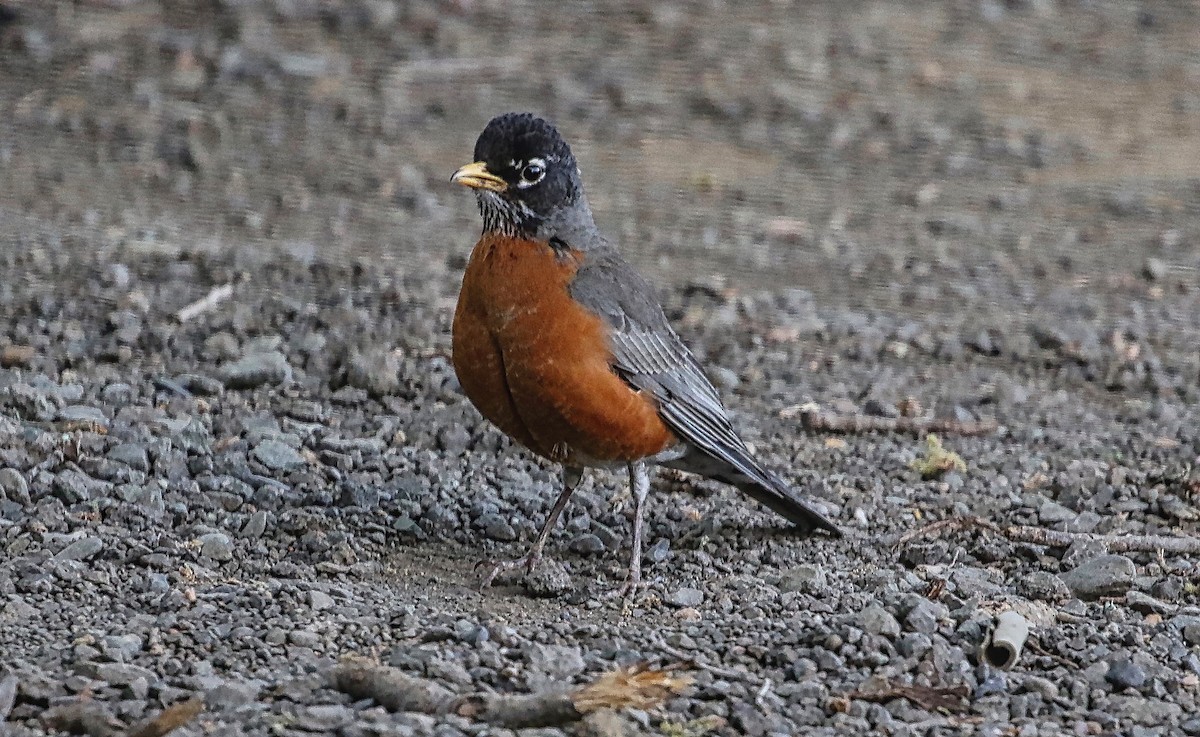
532, 173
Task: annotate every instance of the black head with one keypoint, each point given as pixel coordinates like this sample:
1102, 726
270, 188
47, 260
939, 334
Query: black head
524, 174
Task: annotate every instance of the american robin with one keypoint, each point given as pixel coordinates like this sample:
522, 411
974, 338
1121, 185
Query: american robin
563, 345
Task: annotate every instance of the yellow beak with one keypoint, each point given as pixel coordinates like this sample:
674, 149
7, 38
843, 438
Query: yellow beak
476, 176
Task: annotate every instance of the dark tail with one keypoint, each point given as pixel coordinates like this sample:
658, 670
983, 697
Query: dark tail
759, 484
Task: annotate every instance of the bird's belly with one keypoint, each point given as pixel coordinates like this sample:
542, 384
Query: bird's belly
555, 359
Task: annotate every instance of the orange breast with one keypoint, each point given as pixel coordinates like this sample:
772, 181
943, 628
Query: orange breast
536, 364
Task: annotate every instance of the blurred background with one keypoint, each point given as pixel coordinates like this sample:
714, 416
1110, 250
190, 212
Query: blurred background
925, 158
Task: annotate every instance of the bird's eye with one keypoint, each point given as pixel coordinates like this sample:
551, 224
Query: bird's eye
533, 172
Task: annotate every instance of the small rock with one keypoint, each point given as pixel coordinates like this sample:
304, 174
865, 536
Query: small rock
304, 638
497, 528
970, 581
12, 356
925, 616
278, 456
255, 370
81, 549
121, 674
876, 620
1124, 673
587, 544
807, 579
377, 371
323, 718
319, 600
549, 580
1042, 586
82, 414
13, 485
1146, 604
658, 552
216, 545
1106, 575
121, 647
133, 455
685, 597
256, 525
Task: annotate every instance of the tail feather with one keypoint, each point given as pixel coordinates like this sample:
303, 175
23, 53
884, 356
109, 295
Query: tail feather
760, 485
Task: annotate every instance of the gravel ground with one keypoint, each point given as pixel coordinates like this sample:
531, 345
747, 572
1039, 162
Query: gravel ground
226, 505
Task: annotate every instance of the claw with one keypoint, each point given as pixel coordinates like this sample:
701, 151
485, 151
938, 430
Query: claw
527, 561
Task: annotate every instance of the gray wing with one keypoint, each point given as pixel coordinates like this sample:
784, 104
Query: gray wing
649, 355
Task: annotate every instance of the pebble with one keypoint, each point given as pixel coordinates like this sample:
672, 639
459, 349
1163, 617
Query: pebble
806, 579
257, 369
216, 545
13, 486
876, 620
1103, 576
1042, 586
278, 456
1124, 673
81, 549
685, 597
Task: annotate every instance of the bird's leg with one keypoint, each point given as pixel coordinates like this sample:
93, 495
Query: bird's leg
570, 479
639, 487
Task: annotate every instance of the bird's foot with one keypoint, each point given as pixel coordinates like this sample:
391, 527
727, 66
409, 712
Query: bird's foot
626, 592
528, 561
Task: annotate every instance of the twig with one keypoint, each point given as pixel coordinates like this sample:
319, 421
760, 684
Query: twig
813, 419
716, 670
215, 296
169, 719
637, 687
1060, 539
930, 698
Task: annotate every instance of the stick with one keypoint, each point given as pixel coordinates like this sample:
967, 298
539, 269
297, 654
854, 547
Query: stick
930, 698
215, 296
169, 719
813, 419
637, 687
1059, 539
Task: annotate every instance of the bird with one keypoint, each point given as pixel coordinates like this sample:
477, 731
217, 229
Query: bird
559, 342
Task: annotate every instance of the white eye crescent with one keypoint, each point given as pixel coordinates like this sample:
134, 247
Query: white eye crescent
532, 173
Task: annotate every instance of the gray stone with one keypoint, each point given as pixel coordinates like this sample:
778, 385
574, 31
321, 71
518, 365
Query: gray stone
216, 545
319, 600
1106, 575
133, 455
81, 549
969, 582
1147, 604
548, 580
257, 369
304, 638
377, 371
587, 544
121, 647
278, 456
119, 674
685, 597
256, 525
876, 620
13, 485
1042, 586
925, 616
807, 579
1124, 673
83, 414
497, 528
